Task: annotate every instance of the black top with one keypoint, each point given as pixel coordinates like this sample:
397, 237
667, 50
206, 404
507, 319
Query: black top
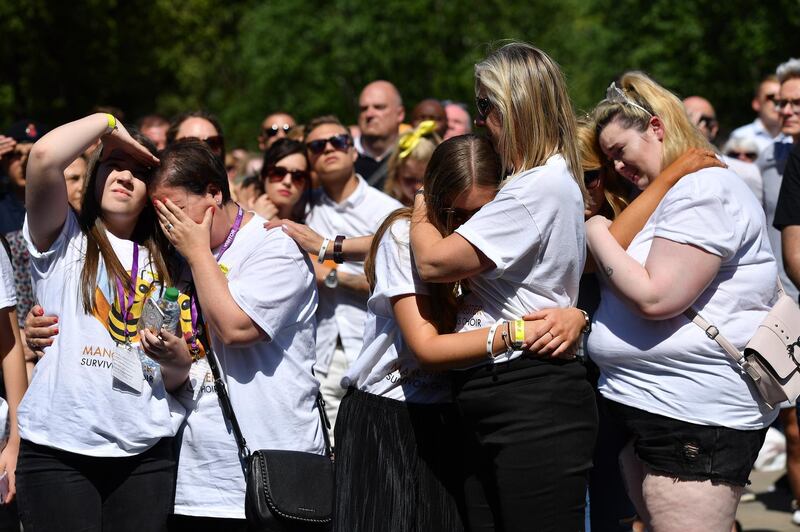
787, 210
373, 171
12, 213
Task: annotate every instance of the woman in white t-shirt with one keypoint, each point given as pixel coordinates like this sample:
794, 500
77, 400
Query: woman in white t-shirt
96, 430
257, 295
694, 420
533, 420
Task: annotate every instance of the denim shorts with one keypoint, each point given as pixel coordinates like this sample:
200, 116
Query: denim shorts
686, 450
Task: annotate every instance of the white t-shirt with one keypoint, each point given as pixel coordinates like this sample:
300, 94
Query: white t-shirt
8, 298
71, 403
670, 367
342, 312
270, 382
8, 291
533, 232
386, 365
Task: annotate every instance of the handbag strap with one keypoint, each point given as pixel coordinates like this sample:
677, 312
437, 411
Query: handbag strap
227, 407
714, 333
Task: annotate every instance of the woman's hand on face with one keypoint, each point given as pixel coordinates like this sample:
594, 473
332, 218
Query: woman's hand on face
692, 160
264, 207
305, 237
39, 330
120, 139
556, 332
166, 349
188, 237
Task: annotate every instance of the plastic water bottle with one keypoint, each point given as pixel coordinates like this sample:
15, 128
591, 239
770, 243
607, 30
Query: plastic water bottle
172, 311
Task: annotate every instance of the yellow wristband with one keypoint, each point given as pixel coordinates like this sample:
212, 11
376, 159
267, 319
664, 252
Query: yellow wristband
519, 332
112, 123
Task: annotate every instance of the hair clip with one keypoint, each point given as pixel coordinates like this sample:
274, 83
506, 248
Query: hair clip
616, 95
409, 141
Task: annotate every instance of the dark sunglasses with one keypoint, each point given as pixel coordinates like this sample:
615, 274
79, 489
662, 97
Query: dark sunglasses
709, 121
739, 154
275, 128
591, 178
214, 143
771, 97
484, 106
276, 174
794, 103
341, 142
456, 217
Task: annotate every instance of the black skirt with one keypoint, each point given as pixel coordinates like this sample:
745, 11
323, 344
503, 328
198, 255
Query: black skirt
397, 466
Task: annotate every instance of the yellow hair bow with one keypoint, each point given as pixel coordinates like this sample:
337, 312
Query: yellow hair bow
409, 140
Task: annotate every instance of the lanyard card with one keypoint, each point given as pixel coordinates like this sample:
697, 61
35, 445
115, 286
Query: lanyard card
127, 370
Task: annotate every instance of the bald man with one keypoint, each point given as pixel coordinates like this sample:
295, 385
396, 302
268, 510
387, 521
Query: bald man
380, 114
702, 114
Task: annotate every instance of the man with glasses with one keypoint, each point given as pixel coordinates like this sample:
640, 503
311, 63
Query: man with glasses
380, 114
344, 206
766, 128
703, 115
275, 126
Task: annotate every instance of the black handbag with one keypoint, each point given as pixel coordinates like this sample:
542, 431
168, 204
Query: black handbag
287, 491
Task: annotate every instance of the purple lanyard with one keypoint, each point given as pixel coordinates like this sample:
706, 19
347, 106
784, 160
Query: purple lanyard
126, 299
237, 224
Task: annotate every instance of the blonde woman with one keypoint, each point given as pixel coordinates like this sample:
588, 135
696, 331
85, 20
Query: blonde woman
409, 160
693, 421
533, 420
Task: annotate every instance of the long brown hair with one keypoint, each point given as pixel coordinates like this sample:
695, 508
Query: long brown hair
455, 166
98, 246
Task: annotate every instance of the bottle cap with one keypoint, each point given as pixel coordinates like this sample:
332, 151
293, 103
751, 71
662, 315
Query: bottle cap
171, 294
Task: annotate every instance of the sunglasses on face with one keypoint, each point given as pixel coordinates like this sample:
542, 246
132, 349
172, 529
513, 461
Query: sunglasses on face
708, 121
591, 178
214, 143
457, 217
484, 106
276, 174
771, 97
794, 103
275, 128
742, 154
341, 142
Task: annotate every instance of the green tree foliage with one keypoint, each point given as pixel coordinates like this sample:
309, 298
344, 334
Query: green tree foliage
242, 59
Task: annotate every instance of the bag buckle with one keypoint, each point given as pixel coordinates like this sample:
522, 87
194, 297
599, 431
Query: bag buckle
712, 332
750, 370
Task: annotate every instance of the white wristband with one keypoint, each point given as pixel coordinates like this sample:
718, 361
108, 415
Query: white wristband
322, 249
490, 338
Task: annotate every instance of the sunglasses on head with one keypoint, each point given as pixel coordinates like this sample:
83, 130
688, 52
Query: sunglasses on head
341, 142
275, 128
276, 174
591, 178
484, 106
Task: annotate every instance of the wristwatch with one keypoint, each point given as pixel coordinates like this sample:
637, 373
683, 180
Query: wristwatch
332, 279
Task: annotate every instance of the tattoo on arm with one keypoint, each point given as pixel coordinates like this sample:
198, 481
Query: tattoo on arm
609, 271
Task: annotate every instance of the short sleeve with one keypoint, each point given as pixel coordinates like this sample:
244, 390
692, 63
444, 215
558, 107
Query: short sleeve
503, 230
394, 266
787, 211
8, 293
274, 285
692, 214
43, 262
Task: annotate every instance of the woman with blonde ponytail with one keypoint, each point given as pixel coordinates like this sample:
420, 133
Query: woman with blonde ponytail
693, 421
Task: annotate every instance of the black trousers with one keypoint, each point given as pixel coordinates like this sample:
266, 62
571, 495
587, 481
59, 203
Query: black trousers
532, 426
58, 490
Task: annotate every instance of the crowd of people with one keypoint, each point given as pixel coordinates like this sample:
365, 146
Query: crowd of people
493, 325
